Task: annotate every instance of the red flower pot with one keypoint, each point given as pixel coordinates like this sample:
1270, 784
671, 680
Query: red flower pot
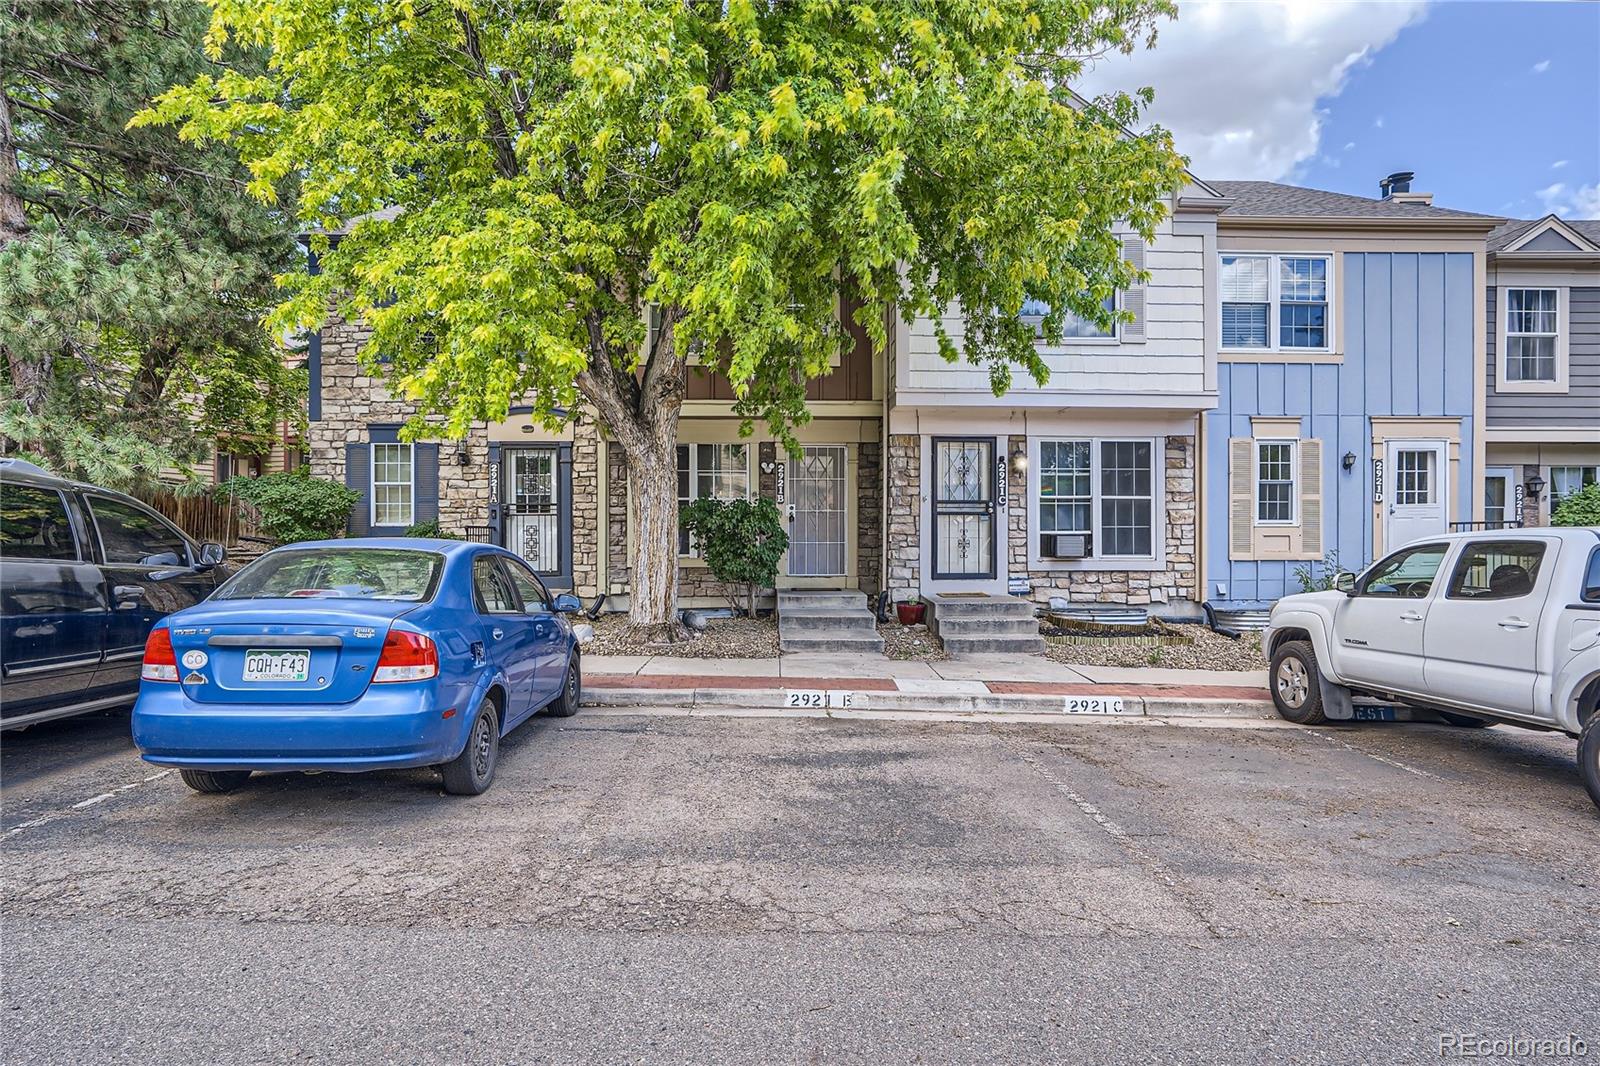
910, 614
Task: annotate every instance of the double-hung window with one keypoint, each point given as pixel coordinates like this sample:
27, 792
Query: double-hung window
393, 485
720, 471
1106, 488
1565, 480
1275, 482
1276, 302
1531, 334
1076, 327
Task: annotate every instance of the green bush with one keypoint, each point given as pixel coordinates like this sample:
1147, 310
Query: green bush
1582, 508
293, 505
741, 542
430, 530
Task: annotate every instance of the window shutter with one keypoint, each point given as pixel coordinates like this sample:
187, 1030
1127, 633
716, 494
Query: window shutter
425, 480
358, 478
1133, 295
1311, 498
1241, 498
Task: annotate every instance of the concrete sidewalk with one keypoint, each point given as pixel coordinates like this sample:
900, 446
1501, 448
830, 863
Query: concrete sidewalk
850, 684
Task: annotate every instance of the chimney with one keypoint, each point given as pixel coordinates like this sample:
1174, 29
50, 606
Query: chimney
1399, 181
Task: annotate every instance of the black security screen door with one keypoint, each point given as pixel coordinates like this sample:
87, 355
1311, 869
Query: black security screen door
963, 507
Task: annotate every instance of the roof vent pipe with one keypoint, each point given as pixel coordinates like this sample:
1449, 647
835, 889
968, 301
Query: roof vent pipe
1399, 181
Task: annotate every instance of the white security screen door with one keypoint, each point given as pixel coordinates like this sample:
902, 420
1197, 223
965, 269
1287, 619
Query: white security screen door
819, 512
1417, 492
963, 507
533, 520
1501, 508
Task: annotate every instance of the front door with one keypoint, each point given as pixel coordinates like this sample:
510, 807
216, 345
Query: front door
1416, 497
1502, 498
963, 507
819, 513
533, 508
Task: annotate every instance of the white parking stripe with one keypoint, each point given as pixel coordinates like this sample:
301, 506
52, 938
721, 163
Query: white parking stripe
34, 823
1396, 763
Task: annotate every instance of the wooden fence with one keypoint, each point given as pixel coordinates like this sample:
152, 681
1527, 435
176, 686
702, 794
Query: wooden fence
204, 518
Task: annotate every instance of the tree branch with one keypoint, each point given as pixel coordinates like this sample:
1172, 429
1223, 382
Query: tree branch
505, 151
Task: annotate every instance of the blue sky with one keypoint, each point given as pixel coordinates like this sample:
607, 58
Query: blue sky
1495, 105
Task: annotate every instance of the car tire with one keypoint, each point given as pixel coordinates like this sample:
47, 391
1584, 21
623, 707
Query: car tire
1462, 721
1296, 683
214, 781
472, 772
1589, 756
566, 704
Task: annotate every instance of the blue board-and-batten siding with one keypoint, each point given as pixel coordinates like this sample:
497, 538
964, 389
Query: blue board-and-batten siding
1408, 351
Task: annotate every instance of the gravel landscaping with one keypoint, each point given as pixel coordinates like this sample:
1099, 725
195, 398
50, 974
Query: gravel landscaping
723, 638
910, 642
1207, 651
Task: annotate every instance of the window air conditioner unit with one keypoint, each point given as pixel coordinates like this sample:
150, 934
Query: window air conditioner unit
1066, 545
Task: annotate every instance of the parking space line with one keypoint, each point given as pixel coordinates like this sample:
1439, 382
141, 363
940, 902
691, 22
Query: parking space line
43, 819
1396, 763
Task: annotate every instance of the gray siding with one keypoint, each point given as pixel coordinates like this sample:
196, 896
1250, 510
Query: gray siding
1580, 405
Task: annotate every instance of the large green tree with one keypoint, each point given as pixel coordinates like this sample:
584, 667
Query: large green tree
539, 180
135, 270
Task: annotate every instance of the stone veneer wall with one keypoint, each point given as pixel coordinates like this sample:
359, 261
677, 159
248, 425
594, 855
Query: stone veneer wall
586, 508
869, 517
353, 400
1176, 583
903, 517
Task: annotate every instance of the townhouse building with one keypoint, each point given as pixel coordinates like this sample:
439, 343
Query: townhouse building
1543, 366
1350, 381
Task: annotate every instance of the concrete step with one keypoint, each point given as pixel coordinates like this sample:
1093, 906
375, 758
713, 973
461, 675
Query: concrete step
992, 645
847, 642
789, 599
983, 607
792, 626
988, 627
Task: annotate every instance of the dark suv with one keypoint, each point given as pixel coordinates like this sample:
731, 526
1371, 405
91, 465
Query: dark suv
84, 574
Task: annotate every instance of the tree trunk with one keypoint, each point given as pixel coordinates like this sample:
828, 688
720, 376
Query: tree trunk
653, 508
13, 219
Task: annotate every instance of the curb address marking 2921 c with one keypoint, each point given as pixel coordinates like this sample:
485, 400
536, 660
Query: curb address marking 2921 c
1094, 705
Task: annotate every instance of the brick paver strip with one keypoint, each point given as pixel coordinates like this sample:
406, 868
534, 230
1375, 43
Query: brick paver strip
886, 684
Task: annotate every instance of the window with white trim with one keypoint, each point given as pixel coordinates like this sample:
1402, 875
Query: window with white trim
393, 485
1565, 480
1275, 482
721, 471
1532, 331
1076, 326
1276, 302
1105, 488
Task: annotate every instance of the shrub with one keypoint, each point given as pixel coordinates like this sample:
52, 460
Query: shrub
293, 505
1582, 508
1311, 581
741, 541
429, 530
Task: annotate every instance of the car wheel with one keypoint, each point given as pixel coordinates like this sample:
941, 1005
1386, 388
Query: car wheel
1589, 756
1296, 683
566, 704
214, 781
1463, 721
471, 772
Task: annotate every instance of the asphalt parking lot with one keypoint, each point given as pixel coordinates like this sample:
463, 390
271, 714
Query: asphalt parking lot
665, 888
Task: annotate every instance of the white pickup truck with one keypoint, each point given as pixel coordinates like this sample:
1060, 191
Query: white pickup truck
1500, 626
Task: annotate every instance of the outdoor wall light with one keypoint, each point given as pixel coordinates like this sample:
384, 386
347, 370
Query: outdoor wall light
463, 457
1349, 461
1019, 460
1534, 487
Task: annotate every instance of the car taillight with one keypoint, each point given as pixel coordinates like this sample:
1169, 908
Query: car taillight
160, 661
406, 657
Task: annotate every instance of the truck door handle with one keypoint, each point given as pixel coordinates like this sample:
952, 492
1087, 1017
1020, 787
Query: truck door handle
1411, 616
1512, 623
127, 596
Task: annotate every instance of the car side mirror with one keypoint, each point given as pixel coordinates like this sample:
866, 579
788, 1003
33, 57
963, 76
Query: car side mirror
566, 603
1345, 582
212, 554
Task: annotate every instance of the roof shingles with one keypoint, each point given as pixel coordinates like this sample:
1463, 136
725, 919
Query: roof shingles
1271, 199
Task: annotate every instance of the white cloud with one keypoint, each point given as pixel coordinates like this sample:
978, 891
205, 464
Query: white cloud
1349, 145
1582, 201
1558, 164
1377, 123
1541, 66
1240, 84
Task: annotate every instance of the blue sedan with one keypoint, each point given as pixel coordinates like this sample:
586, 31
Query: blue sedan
352, 655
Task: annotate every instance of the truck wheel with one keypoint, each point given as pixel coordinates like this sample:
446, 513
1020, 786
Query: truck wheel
1589, 756
1296, 683
1464, 721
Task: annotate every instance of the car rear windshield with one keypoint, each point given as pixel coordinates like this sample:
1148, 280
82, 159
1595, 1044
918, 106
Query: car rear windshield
338, 573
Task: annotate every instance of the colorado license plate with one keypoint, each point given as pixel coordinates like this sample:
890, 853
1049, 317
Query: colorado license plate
277, 665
